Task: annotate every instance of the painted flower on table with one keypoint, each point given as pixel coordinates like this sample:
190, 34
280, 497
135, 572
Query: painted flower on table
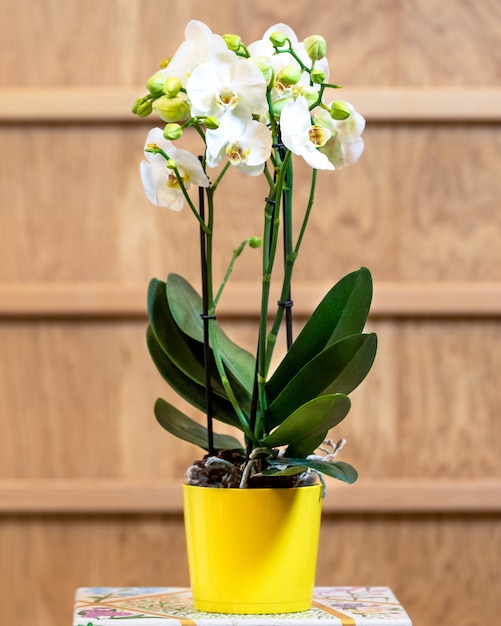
104, 612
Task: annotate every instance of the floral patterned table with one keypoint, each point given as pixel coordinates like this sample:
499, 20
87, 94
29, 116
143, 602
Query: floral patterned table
159, 606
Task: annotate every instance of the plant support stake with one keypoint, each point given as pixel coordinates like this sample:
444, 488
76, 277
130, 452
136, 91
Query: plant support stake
206, 321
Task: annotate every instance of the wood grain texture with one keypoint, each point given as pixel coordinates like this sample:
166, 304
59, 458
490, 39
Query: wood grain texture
91, 388
371, 42
420, 208
415, 556
112, 105
98, 496
86, 300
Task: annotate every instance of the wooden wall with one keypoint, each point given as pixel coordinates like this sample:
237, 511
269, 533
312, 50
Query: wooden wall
89, 484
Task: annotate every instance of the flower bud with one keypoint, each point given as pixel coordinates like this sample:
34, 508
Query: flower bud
172, 86
289, 75
171, 164
173, 131
142, 107
310, 94
317, 77
255, 242
173, 109
264, 64
233, 42
155, 83
278, 105
211, 122
340, 110
316, 47
278, 39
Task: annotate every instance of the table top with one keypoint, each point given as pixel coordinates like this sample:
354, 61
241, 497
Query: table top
156, 606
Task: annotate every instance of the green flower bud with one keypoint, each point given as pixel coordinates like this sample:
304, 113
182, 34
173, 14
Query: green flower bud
317, 77
264, 64
278, 39
340, 110
172, 86
211, 122
173, 109
155, 83
316, 47
311, 95
171, 164
173, 131
278, 105
289, 75
142, 107
233, 42
255, 242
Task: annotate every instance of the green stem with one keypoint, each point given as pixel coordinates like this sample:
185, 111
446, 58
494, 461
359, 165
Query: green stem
236, 253
289, 266
270, 237
226, 383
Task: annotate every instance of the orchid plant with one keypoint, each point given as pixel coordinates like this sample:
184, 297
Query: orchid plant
255, 108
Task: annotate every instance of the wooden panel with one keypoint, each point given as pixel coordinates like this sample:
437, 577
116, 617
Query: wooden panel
114, 300
407, 223
141, 497
420, 209
77, 402
442, 568
404, 104
371, 42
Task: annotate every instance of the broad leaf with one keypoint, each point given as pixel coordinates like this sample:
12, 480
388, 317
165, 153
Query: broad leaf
186, 387
172, 341
340, 368
183, 427
186, 307
310, 420
337, 469
306, 446
341, 313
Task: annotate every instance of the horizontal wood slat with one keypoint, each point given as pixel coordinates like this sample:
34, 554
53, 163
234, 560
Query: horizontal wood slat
31, 496
129, 300
392, 104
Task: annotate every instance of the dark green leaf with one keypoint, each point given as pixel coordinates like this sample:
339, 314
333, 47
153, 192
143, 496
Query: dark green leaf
340, 368
186, 308
310, 420
173, 342
186, 387
342, 312
304, 447
338, 469
183, 427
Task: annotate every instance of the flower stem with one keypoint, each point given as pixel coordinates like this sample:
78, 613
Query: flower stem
289, 266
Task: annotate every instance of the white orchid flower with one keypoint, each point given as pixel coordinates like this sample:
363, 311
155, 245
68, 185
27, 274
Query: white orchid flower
346, 144
221, 85
244, 141
159, 181
265, 47
200, 46
282, 92
301, 137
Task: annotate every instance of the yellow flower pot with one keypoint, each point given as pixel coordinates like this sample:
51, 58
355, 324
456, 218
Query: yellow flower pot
252, 551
